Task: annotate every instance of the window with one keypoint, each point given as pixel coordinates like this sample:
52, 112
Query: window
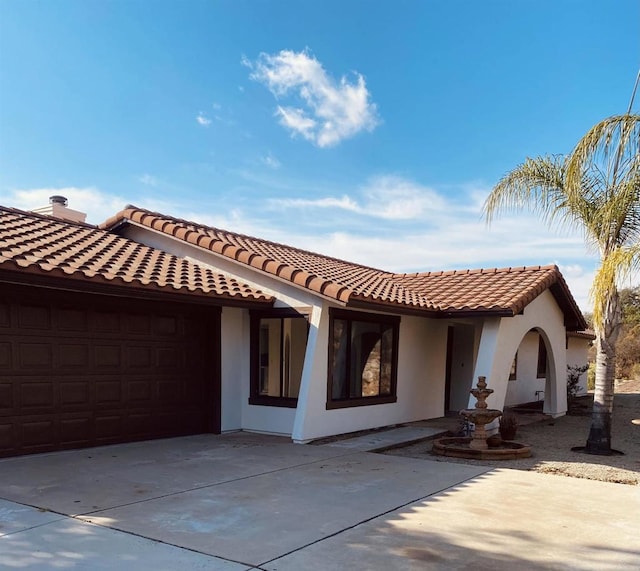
542, 358
278, 346
513, 373
363, 354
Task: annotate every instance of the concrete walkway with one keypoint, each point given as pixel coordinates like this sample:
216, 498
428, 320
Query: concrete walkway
240, 501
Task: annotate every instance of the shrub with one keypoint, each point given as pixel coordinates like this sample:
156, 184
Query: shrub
508, 425
573, 381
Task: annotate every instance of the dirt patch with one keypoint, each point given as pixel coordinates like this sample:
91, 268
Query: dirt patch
552, 439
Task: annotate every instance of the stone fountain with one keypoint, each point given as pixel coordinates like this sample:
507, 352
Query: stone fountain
480, 416
478, 446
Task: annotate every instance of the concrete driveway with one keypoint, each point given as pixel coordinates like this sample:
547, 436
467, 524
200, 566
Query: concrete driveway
241, 501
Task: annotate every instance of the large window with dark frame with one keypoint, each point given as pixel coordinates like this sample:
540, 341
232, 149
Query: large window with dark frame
363, 358
278, 347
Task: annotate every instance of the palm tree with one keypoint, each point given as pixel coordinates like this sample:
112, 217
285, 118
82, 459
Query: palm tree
596, 188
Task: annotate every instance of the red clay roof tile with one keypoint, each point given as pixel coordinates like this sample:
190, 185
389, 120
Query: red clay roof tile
79, 251
501, 291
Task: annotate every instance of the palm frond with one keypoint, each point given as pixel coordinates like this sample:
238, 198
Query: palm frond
616, 266
536, 185
612, 146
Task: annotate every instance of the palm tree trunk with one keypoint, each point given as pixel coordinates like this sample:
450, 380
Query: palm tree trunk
599, 440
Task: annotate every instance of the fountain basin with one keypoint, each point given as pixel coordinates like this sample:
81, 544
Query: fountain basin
459, 447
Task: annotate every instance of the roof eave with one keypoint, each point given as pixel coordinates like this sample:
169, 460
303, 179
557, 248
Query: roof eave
78, 282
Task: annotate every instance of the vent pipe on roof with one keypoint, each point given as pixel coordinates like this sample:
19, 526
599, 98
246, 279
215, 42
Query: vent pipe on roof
57, 199
57, 208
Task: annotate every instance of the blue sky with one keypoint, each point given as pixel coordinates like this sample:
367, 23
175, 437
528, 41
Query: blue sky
370, 131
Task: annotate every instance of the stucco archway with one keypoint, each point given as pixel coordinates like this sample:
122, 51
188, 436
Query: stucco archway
500, 339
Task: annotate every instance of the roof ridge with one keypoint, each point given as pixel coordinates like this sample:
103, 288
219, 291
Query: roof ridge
506, 269
83, 251
183, 221
40, 216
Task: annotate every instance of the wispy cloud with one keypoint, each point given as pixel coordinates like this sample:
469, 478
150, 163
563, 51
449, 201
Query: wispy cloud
389, 197
96, 204
329, 112
270, 161
148, 180
202, 119
392, 223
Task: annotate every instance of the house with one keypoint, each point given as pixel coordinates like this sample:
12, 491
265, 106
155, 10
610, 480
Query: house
150, 326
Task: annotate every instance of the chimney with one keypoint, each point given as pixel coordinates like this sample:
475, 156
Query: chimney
58, 208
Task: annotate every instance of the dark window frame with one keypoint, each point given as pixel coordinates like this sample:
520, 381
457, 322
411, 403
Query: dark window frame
255, 398
541, 371
355, 316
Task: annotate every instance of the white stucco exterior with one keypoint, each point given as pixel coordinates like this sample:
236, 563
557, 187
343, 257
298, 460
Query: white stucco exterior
430, 374
527, 386
577, 355
500, 340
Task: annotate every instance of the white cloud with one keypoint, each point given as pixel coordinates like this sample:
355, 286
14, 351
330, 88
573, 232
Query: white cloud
426, 230
148, 180
388, 197
96, 204
333, 110
270, 161
203, 120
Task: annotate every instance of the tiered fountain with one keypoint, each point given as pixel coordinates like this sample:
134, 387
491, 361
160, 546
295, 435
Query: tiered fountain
479, 446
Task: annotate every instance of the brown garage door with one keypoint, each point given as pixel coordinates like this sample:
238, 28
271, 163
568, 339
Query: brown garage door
80, 370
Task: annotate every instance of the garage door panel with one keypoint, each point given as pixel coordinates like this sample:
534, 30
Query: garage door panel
73, 355
165, 325
8, 401
84, 370
138, 392
6, 360
8, 438
35, 396
105, 322
108, 393
5, 316
34, 317
38, 433
71, 319
137, 324
75, 394
139, 356
107, 356
33, 355
108, 427
75, 431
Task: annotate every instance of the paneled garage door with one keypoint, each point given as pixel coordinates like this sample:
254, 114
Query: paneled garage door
80, 370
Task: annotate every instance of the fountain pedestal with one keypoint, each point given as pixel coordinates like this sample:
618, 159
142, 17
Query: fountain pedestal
480, 415
477, 446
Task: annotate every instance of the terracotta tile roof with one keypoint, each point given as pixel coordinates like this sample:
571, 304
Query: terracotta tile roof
33, 243
499, 291
507, 290
334, 278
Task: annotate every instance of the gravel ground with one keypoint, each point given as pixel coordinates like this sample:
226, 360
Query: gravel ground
552, 439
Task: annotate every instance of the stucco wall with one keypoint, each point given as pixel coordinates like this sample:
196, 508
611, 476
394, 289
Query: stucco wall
420, 388
234, 366
237, 413
501, 338
523, 388
577, 354
489, 343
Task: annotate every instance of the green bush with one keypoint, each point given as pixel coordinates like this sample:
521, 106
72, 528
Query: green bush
573, 381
